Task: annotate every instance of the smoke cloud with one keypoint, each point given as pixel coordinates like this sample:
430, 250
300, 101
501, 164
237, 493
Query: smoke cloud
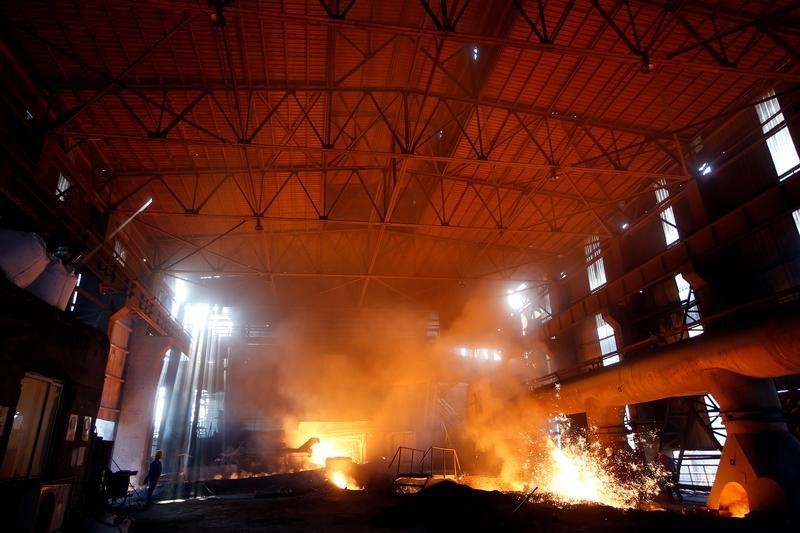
380, 366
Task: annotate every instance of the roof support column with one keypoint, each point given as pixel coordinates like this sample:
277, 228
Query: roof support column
136, 408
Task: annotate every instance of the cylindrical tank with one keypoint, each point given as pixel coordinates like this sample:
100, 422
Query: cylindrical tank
55, 284
23, 256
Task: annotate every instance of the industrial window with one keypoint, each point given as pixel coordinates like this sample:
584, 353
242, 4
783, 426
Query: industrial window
220, 323
32, 428
105, 428
546, 309
699, 467
120, 253
74, 298
630, 434
667, 216
519, 302
780, 143
209, 412
595, 268
62, 186
607, 339
692, 312
158, 412
481, 354
796, 218
518, 298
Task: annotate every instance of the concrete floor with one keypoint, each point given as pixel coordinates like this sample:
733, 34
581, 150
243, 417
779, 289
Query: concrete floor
318, 506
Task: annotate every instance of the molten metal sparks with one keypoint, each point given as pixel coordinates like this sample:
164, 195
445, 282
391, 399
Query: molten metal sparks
570, 470
577, 473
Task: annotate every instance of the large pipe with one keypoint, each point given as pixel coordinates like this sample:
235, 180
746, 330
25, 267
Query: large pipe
768, 350
760, 464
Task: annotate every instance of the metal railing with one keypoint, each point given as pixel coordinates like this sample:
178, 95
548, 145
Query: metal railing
409, 462
433, 462
697, 472
779, 298
441, 462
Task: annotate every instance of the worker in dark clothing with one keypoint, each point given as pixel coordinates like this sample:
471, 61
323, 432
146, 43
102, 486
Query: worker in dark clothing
152, 476
670, 481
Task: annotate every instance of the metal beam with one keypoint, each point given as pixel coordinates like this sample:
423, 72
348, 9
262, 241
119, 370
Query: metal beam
295, 86
72, 114
317, 150
489, 40
450, 228
353, 276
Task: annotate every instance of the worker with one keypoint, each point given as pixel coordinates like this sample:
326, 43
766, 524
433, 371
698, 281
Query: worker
670, 480
152, 476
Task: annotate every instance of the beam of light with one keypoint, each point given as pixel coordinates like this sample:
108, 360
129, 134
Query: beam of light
128, 220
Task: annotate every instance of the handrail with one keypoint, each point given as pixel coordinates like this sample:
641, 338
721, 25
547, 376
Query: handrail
784, 296
398, 455
444, 452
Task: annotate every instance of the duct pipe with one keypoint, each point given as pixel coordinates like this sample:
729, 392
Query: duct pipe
683, 369
760, 465
608, 424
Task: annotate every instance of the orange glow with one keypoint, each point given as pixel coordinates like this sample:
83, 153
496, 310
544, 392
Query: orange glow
492, 483
326, 448
338, 479
343, 481
337, 438
734, 499
243, 474
575, 473
739, 509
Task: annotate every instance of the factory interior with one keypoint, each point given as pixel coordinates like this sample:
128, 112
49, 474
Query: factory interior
399, 265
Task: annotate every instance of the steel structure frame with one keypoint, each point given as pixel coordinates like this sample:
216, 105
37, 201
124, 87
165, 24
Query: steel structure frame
345, 153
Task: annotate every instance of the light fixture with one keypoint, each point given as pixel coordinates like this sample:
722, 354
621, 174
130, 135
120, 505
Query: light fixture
516, 299
647, 65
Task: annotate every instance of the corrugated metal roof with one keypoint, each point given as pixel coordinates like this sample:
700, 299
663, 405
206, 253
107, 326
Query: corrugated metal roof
480, 140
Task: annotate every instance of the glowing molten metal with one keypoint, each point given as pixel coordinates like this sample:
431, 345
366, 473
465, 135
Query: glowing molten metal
325, 449
342, 480
337, 463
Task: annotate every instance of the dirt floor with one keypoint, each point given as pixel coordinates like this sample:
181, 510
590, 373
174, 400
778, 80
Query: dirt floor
308, 503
